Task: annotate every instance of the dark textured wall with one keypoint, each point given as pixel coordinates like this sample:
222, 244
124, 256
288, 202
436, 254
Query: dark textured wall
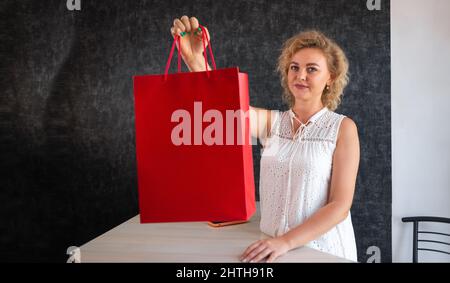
67, 115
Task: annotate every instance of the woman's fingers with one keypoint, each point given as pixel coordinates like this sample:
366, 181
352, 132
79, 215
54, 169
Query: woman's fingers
272, 257
257, 254
173, 32
250, 249
189, 26
186, 23
179, 26
195, 27
262, 255
194, 23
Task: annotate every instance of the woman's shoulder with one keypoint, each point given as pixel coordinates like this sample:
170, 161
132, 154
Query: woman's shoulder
348, 124
347, 129
344, 126
344, 120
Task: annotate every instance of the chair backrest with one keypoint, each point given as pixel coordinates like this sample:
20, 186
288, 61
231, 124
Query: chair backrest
440, 245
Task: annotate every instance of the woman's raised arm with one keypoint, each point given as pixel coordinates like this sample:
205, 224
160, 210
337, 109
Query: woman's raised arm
192, 54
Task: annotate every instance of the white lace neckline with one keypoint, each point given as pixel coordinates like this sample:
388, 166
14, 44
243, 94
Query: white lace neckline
313, 118
299, 132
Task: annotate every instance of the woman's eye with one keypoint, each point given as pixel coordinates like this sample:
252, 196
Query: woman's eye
311, 69
294, 68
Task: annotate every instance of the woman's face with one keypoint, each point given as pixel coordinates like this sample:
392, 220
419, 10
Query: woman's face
308, 75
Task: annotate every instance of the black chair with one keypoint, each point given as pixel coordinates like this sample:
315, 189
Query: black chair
416, 220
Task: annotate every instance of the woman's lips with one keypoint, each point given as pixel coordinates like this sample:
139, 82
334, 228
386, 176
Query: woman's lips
299, 86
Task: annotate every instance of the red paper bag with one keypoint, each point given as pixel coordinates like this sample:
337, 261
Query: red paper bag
189, 170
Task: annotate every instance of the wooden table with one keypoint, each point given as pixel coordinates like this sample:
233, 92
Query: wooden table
185, 242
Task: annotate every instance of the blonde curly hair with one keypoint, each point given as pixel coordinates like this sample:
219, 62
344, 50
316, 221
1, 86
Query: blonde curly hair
336, 59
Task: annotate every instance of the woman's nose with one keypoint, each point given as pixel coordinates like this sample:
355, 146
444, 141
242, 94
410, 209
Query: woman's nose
301, 75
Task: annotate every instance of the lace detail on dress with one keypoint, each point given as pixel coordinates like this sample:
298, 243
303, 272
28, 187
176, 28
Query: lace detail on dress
324, 129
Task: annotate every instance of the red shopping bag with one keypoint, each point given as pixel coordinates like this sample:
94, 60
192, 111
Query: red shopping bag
188, 170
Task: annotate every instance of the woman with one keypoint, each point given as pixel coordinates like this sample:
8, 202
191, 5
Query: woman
310, 158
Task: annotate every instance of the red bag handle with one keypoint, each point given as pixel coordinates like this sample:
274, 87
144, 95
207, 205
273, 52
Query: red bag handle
177, 39
205, 38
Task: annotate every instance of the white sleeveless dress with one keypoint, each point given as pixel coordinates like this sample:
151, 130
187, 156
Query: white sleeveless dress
295, 179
